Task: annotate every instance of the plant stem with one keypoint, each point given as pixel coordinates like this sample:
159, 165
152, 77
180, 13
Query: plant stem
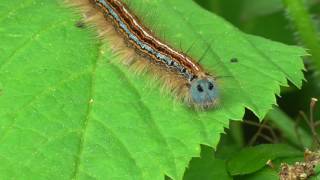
307, 31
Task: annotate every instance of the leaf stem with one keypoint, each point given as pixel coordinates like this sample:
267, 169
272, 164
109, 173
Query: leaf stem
307, 31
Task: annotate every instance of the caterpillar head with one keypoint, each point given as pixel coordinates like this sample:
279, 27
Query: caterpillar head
203, 92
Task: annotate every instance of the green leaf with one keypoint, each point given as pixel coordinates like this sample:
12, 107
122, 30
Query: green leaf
264, 174
207, 167
253, 8
68, 111
271, 173
228, 145
251, 159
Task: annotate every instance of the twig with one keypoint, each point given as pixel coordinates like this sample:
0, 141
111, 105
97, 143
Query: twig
267, 127
310, 121
254, 138
312, 124
267, 138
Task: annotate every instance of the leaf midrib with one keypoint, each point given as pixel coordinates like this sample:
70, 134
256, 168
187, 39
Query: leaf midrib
84, 128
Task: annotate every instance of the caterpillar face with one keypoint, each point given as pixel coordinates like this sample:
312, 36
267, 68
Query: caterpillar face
204, 92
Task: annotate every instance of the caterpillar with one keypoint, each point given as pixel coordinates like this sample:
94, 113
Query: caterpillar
179, 73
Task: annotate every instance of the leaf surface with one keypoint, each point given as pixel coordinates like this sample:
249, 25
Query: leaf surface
207, 167
68, 110
252, 159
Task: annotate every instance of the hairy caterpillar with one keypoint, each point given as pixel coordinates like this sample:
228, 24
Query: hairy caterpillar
181, 74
